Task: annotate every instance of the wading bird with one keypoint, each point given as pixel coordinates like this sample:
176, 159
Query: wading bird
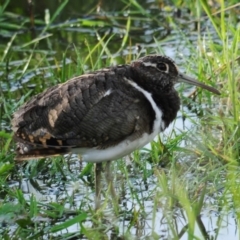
103, 115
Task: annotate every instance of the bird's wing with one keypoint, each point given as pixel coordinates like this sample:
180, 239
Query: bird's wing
80, 114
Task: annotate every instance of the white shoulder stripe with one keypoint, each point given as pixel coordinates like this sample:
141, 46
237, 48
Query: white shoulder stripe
158, 122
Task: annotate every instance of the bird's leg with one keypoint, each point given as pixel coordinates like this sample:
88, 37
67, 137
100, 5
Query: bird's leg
109, 179
98, 170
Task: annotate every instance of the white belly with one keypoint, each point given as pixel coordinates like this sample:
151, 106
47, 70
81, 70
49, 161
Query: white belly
114, 152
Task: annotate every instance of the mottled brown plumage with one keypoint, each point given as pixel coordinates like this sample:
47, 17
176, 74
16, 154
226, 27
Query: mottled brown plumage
100, 110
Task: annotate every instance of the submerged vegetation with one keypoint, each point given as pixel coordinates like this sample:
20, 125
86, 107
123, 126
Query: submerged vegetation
185, 184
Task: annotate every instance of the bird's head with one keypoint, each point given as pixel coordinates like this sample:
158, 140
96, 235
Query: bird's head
161, 73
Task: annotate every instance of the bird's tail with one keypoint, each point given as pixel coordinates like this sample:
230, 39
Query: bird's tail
27, 151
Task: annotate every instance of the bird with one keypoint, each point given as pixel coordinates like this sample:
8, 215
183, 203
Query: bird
102, 115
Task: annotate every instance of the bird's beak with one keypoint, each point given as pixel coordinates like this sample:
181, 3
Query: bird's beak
192, 81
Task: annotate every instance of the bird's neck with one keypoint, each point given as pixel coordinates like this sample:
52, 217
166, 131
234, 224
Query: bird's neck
169, 105
166, 97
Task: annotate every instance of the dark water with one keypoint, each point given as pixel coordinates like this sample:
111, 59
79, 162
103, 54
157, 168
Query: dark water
79, 27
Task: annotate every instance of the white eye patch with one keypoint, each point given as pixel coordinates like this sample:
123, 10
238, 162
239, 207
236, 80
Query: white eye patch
163, 67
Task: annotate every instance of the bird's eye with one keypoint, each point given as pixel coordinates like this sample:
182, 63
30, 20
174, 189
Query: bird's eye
162, 67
